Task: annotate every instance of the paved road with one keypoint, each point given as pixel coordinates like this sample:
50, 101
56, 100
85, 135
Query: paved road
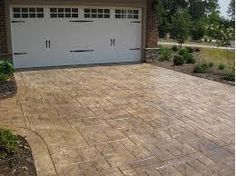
195, 45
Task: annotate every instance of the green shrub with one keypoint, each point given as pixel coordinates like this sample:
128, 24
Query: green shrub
174, 48
221, 67
183, 51
189, 49
203, 68
230, 76
6, 67
210, 64
8, 142
3, 77
188, 57
178, 60
164, 54
6, 70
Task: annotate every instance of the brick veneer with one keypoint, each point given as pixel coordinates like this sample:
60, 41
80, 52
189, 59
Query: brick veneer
3, 36
152, 33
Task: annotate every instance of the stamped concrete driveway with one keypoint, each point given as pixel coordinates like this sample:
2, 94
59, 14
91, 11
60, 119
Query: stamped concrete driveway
125, 120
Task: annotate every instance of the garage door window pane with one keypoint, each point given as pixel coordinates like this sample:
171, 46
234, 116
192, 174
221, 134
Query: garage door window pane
127, 14
87, 16
53, 10
28, 12
40, 15
53, 15
32, 10
25, 15
60, 10
68, 15
106, 16
17, 15
16, 10
68, 12
32, 15
75, 10
25, 10
60, 15
87, 13
96, 13
75, 13
39, 10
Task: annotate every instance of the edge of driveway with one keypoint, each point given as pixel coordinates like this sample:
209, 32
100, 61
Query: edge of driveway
42, 159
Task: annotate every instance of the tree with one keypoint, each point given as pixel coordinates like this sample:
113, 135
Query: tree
181, 24
198, 29
231, 10
221, 33
199, 10
196, 9
166, 10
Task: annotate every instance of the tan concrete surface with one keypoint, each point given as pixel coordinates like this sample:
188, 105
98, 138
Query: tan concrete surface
124, 120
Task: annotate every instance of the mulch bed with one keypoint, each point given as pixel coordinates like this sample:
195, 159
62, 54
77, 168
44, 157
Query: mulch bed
19, 164
8, 88
214, 75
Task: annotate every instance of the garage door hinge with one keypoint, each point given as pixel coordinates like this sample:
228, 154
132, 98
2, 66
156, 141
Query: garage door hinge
135, 22
80, 21
134, 49
17, 54
18, 21
80, 51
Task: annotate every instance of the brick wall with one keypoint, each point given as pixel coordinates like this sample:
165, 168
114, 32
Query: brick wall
3, 36
152, 33
152, 26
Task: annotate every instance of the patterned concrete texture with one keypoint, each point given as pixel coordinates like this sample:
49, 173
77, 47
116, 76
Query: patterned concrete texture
124, 120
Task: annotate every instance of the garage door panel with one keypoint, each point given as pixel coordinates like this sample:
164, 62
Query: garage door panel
101, 38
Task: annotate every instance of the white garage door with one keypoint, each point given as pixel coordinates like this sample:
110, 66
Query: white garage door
64, 35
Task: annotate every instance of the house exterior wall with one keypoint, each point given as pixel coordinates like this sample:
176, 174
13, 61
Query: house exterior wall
3, 36
149, 21
151, 50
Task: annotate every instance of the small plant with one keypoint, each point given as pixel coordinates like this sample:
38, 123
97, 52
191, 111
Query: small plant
183, 51
189, 59
178, 60
8, 142
189, 49
6, 70
174, 48
230, 76
221, 67
165, 54
210, 64
203, 68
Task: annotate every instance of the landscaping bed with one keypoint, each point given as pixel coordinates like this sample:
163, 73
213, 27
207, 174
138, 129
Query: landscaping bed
19, 163
205, 63
8, 88
188, 69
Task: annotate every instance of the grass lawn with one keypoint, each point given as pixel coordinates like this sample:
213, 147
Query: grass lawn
218, 56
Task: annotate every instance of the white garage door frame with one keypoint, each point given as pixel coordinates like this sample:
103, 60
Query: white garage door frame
127, 50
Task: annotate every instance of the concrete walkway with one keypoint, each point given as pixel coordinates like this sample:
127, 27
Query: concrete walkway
123, 120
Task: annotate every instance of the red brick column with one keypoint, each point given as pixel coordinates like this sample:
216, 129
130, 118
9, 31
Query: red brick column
152, 32
3, 35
